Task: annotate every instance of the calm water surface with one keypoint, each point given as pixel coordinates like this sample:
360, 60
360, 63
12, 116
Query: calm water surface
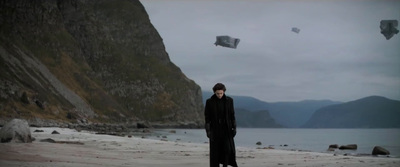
316, 140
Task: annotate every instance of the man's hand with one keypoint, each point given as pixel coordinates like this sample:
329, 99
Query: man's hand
208, 131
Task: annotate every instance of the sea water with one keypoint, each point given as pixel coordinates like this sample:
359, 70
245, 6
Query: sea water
314, 140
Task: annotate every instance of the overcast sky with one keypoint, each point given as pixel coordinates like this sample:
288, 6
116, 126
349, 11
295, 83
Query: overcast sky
339, 53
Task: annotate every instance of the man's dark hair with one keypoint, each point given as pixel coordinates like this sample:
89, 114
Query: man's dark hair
219, 86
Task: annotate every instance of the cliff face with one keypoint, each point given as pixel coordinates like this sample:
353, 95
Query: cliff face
96, 60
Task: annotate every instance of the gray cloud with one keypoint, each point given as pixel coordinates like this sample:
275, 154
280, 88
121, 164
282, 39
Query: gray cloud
339, 53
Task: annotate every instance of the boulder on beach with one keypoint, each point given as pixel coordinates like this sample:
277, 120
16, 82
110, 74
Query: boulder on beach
348, 147
142, 125
333, 146
55, 132
17, 130
378, 150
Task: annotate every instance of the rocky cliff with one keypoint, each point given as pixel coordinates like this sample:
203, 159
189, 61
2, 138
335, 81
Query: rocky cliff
98, 61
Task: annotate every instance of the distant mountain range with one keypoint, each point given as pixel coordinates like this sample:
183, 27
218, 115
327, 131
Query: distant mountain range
255, 119
369, 112
295, 114
250, 112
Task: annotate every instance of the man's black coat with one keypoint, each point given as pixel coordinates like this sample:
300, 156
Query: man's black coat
221, 129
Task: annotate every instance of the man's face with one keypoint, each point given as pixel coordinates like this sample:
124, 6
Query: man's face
219, 93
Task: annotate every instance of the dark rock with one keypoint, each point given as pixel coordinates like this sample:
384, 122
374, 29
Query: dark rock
61, 142
348, 147
71, 115
17, 130
378, 150
142, 125
333, 146
259, 143
39, 104
24, 98
48, 140
37, 130
55, 132
100, 133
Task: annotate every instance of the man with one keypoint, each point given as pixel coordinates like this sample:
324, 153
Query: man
221, 127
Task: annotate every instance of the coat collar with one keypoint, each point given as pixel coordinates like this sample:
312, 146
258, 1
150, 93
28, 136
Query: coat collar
216, 98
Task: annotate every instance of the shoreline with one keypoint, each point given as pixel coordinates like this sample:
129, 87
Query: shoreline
110, 150
180, 135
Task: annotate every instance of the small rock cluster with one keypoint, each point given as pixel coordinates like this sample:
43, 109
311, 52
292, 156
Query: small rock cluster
378, 150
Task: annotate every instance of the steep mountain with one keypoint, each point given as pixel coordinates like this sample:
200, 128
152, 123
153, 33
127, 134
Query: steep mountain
100, 61
287, 114
255, 119
295, 114
368, 112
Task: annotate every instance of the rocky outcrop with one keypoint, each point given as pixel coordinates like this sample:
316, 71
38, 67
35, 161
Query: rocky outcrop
333, 146
348, 147
89, 61
378, 150
17, 130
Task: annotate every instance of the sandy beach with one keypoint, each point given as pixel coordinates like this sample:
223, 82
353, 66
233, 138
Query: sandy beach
87, 149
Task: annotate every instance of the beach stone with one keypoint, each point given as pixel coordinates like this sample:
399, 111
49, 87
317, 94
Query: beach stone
17, 130
24, 98
348, 147
55, 132
378, 150
142, 125
333, 146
